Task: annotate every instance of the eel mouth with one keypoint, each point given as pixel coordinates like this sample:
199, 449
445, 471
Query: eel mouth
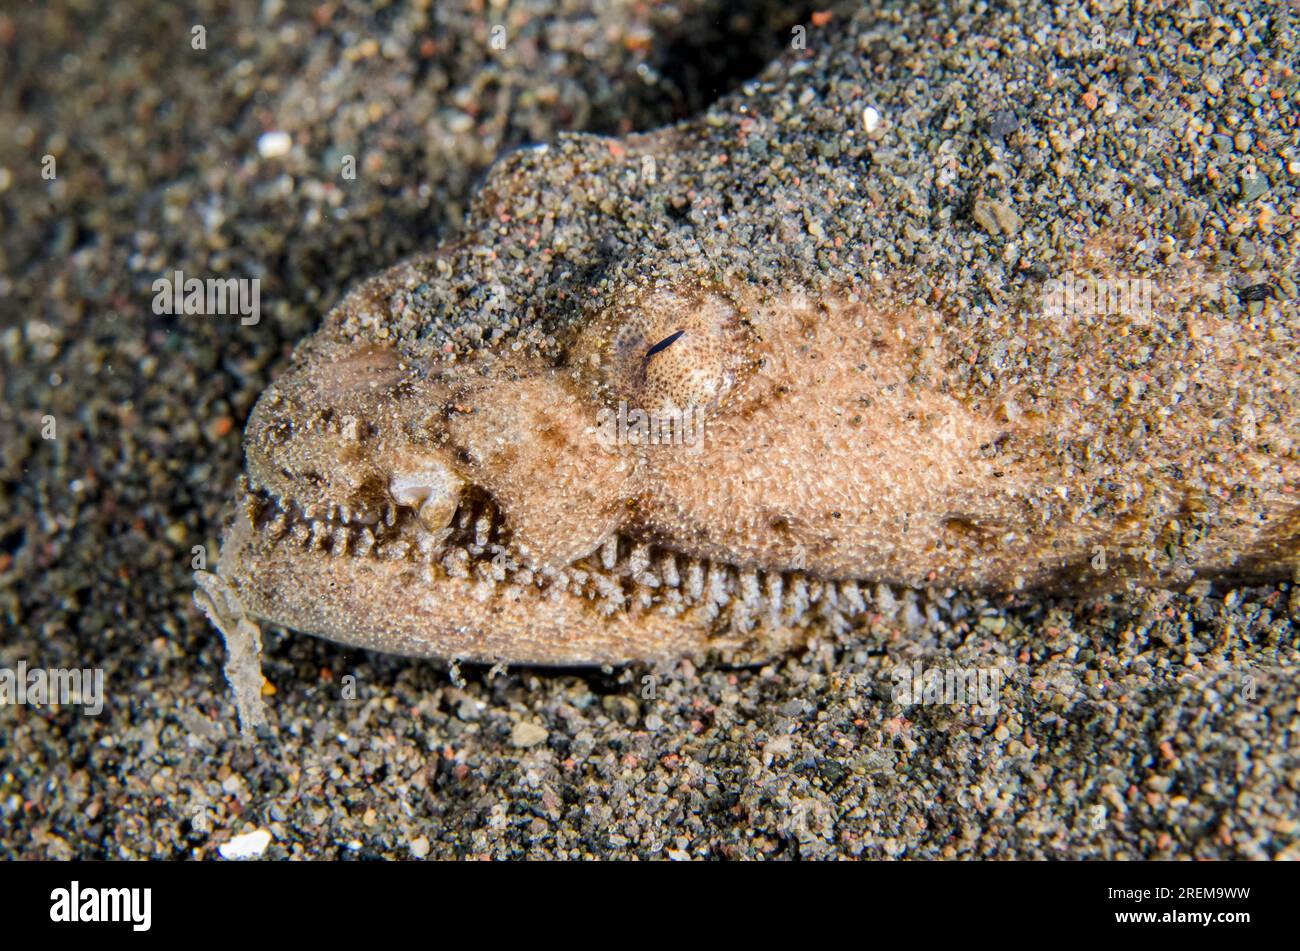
380, 579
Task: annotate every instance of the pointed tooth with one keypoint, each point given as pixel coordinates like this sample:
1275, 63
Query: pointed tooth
773, 589
718, 583
425, 543
340, 542
886, 601
639, 559
694, 579
485, 573
668, 570
609, 553
608, 590
318, 533
798, 599
851, 596
456, 561
748, 601
751, 589
365, 542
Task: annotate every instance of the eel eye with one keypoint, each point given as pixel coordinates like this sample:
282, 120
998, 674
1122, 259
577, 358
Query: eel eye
663, 344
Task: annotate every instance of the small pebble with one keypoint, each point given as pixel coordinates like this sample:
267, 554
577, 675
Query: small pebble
272, 145
250, 845
526, 734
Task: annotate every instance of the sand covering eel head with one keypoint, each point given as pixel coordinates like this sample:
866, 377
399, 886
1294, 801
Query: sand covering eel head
700, 468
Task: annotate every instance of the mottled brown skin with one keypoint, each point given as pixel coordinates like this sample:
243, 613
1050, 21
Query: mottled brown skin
464, 507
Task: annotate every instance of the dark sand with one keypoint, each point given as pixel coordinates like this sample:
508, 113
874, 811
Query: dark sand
1153, 724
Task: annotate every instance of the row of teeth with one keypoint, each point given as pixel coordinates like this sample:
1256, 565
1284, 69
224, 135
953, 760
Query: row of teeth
345, 515
288, 510
627, 574
622, 575
339, 531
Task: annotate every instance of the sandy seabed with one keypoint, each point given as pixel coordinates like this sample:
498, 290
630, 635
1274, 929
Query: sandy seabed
1153, 724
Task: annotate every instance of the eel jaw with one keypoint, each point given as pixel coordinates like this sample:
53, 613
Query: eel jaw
801, 494
465, 594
